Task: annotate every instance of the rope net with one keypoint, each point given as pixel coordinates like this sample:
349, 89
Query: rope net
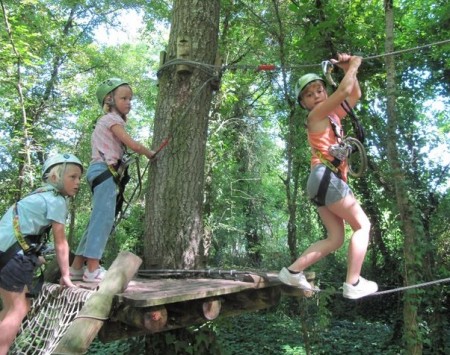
50, 315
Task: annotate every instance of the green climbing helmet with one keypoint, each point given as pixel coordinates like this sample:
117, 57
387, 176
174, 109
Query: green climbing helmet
305, 80
64, 158
106, 87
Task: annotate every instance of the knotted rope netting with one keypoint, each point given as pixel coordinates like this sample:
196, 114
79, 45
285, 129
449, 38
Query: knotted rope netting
51, 313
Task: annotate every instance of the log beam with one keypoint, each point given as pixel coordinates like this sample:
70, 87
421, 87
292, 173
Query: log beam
184, 314
152, 319
97, 308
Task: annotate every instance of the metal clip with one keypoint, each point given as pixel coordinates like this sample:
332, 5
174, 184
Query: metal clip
327, 68
125, 161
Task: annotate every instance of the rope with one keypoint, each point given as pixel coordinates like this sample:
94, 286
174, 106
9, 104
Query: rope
50, 316
214, 71
425, 284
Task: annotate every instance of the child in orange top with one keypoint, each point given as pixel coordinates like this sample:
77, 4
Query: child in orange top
327, 185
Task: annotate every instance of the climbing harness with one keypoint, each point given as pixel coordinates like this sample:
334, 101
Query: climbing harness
120, 175
125, 177
28, 244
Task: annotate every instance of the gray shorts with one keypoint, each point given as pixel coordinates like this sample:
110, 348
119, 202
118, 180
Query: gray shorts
337, 188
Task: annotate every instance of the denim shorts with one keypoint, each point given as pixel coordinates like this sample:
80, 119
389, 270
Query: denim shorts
337, 189
18, 272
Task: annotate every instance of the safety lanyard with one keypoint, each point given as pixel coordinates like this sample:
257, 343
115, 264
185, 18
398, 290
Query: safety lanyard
327, 68
338, 131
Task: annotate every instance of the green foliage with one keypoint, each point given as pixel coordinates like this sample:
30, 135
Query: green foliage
186, 341
130, 346
273, 332
344, 337
60, 63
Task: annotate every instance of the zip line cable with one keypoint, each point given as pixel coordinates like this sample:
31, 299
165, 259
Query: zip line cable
214, 71
401, 51
267, 67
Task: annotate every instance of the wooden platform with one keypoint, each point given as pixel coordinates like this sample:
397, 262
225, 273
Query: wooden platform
147, 292
160, 302
130, 302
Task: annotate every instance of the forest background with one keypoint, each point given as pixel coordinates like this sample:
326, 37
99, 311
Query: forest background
228, 189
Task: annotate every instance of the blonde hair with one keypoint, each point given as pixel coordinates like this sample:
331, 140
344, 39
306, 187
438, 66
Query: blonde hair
55, 176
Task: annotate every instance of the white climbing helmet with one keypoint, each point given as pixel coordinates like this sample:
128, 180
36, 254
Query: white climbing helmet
63, 158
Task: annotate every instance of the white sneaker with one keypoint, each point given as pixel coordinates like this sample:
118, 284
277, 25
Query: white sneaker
94, 276
76, 274
362, 289
296, 280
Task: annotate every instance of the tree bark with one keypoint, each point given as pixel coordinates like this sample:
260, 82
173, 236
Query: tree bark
174, 228
408, 214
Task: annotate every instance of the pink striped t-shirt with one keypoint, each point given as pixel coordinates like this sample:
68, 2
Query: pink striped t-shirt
106, 147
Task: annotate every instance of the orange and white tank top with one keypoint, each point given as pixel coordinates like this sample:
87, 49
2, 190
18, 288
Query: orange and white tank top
321, 141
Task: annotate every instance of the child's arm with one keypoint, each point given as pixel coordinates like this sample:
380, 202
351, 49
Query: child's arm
126, 139
355, 94
62, 253
347, 89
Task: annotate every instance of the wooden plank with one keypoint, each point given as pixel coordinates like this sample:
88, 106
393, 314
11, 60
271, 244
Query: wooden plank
147, 293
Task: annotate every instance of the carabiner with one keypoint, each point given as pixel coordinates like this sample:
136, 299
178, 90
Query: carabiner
327, 68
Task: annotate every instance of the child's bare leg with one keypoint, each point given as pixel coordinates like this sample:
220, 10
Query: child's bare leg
350, 210
78, 262
335, 238
356, 254
92, 264
15, 308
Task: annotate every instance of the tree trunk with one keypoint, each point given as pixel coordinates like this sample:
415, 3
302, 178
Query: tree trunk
174, 228
409, 220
